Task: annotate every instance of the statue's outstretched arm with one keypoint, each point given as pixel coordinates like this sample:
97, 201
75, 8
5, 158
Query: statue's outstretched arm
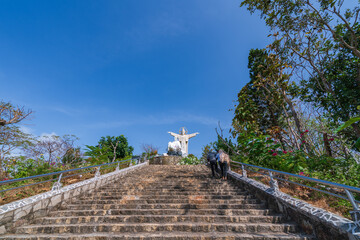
193, 135
174, 134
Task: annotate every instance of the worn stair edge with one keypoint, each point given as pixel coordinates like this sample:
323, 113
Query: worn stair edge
160, 236
163, 227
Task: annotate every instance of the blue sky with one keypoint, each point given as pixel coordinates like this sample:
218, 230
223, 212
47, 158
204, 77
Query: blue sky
139, 68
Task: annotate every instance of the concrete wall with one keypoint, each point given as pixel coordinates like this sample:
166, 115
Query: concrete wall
24, 211
316, 221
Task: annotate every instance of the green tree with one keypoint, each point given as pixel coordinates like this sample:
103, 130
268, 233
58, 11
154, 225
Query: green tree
119, 147
110, 148
149, 150
265, 104
342, 74
11, 136
205, 151
11, 114
266, 79
97, 154
311, 35
72, 157
305, 25
223, 143
52, 148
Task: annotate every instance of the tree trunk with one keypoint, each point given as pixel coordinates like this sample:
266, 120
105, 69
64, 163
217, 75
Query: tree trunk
1, 170
297, 121
114, 157
276, 124
281, 140
115, 147
327, 145
346, 152
295, 142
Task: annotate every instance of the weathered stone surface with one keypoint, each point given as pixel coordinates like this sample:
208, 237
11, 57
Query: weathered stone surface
164, 202
37, 206
40, 212
2, 230
4, 218
312, 220
21, 212
182, 202
165, 160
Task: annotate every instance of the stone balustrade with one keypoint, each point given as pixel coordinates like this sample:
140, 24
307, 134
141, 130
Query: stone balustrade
24, 211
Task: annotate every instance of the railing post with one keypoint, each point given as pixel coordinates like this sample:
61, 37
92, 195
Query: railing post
130, 163
273, 183
117, 167
244, 173
355, 214
97, 173
57, 185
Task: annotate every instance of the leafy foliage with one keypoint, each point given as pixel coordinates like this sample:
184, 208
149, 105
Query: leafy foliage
109, 149
190, 160
347, 123
72, 157
205, 151
149, 150
119, 146
302, 87
11, 135
24, 167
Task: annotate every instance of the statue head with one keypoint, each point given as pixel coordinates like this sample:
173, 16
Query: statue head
183, 131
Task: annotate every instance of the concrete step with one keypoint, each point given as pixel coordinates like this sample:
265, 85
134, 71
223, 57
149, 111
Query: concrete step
193, 200
164, 206
201, 212
159, 194
159, 197
163, 227
161, 236
190, 191
177, 183
160, 219
207, 186
173, 191
164, 202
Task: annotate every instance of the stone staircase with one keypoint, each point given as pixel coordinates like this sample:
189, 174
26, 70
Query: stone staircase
163, 202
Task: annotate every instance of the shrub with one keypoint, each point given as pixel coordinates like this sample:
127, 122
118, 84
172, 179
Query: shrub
190, 160
25, 167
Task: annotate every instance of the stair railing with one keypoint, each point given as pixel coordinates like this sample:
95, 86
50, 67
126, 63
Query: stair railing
271, 173
57, 185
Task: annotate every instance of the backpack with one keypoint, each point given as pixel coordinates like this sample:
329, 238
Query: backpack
211, 157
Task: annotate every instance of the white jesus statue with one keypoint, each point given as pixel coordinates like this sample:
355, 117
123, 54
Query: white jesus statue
183, 138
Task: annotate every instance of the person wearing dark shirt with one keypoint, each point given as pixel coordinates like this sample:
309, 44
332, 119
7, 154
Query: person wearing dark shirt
211, 157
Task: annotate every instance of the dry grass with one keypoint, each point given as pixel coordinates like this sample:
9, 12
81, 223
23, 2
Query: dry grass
317, 199
21, 193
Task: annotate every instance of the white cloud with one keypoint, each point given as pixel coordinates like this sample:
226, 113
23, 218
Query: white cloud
167, 25
156, 28
26, 130
66, 110
47, 135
